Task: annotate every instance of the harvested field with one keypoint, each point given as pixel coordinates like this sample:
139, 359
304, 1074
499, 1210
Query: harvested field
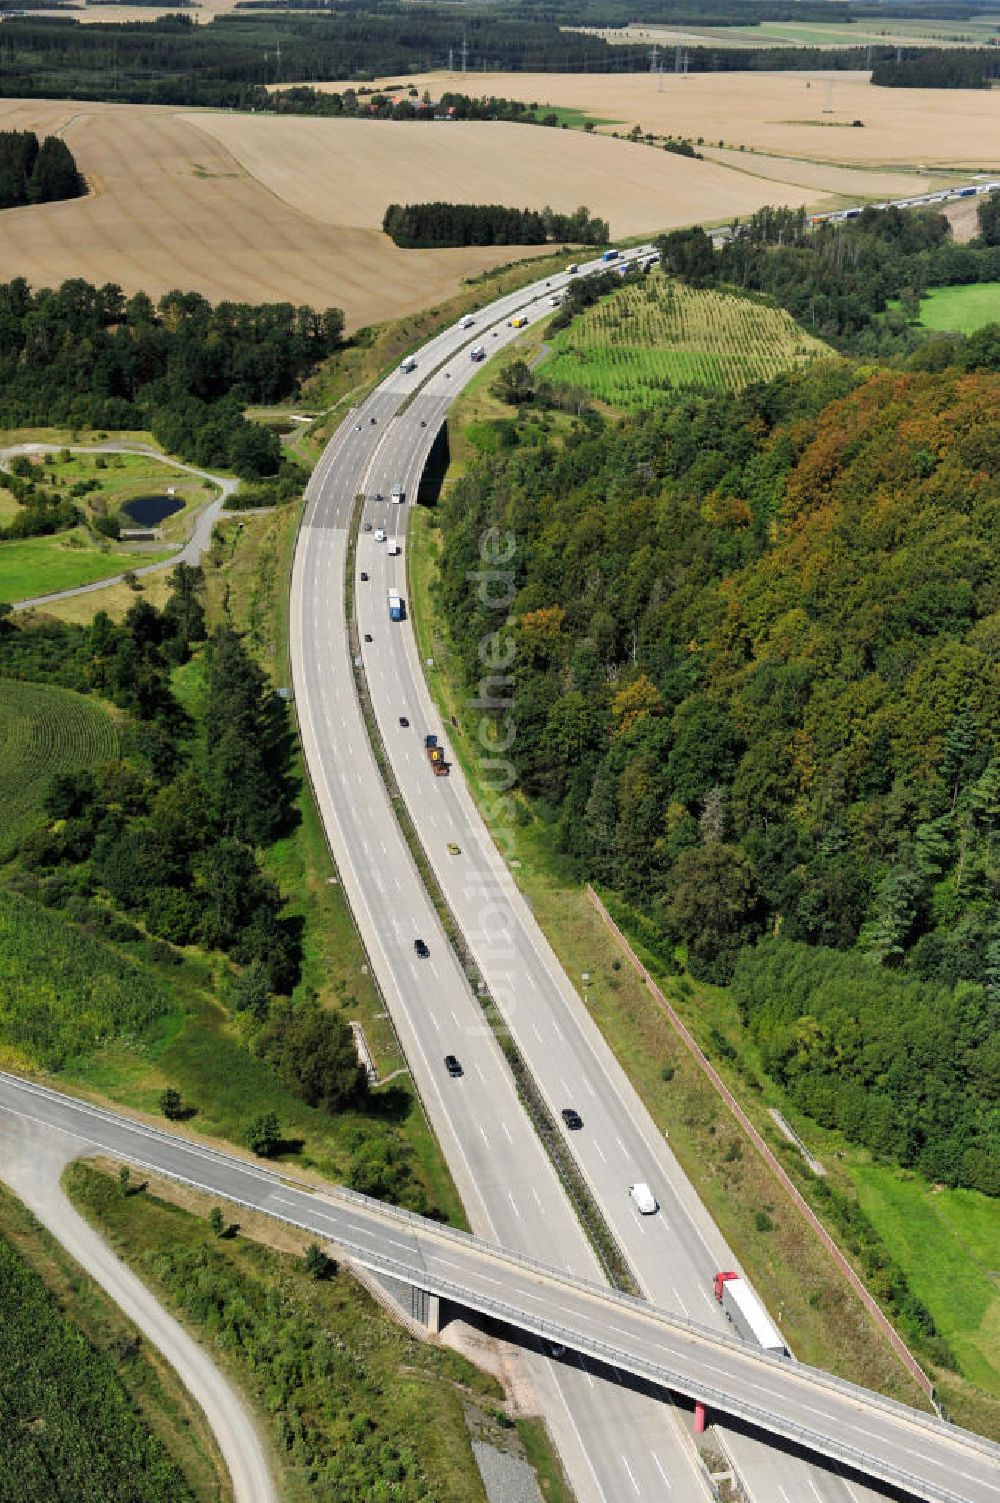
171, 208
789, 114
323, 166
260, 209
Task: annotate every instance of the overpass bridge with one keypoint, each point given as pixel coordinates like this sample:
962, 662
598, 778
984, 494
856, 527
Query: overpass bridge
921, 1455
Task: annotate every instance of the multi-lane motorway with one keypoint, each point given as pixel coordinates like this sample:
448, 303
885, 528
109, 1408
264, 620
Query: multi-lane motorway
572, 1315
614, 1443
509, 1190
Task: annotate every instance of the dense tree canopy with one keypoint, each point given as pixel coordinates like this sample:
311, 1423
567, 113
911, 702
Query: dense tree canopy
33, 174
170, 833
83, 356
437, 224
754, 676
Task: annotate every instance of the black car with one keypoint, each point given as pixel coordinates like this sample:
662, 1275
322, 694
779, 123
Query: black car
572, 1118
403, 721
368, 636
364, 577
372, 420
421, 949
453, 1066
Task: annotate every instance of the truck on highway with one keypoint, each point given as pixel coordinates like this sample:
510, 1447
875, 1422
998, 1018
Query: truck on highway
478, 352
435, 756
396, 607
746, 1313
610, 255
398, 495
409, 364
519, 322
392, 547
466, 321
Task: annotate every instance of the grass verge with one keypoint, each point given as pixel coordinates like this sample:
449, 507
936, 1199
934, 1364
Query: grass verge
155, 1391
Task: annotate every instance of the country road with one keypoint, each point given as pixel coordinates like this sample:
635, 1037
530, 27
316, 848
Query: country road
31, 1163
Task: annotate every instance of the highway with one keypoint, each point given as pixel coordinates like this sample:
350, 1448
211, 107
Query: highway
675, 1254
506, 1181
931, 1459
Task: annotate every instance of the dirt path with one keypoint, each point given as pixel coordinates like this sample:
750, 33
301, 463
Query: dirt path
31, 1164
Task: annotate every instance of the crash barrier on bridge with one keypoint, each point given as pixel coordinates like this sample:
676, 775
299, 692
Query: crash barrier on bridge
660, 1373
691, 1044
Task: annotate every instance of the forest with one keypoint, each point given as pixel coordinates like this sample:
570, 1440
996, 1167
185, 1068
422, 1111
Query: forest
441, 224
160, 847
85, 357
755, 694
938, 68
838, 278
36, 174
408, 104
229, 61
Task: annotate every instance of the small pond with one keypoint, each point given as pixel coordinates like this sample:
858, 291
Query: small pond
148, 511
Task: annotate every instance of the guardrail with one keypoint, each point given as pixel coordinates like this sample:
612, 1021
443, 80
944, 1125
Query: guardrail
417, 1272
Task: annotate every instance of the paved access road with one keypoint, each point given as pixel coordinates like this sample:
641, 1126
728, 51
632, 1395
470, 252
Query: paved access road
676, 1254
934, 1460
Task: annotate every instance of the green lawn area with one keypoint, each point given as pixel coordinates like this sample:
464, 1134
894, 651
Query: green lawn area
103, 484
962, 309
949, 1243
572, 118
657, 334
41, 566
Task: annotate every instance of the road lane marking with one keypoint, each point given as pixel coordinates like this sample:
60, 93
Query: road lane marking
600, 1150
659, 1467
631, 1478
514, 1204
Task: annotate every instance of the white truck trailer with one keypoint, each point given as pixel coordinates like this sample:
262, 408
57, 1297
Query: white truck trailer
746, 1313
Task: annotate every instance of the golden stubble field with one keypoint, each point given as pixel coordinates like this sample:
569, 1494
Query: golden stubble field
171, 207
350, 169
258, 208
805, 115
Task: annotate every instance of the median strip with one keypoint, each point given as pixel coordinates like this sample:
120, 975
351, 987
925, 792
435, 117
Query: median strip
595, 1227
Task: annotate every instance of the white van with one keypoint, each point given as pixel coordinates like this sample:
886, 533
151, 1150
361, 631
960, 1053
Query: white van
379, 535
644, 1199
398, 494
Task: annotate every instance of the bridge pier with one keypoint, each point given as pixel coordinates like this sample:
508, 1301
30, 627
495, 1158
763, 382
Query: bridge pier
699, 1417
416, 1307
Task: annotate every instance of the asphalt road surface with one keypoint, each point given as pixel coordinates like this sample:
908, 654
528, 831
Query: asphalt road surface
577, 1315
674, 1255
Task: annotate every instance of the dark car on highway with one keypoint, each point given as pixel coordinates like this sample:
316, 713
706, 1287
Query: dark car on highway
572, 1118
453, 1066
421, 948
